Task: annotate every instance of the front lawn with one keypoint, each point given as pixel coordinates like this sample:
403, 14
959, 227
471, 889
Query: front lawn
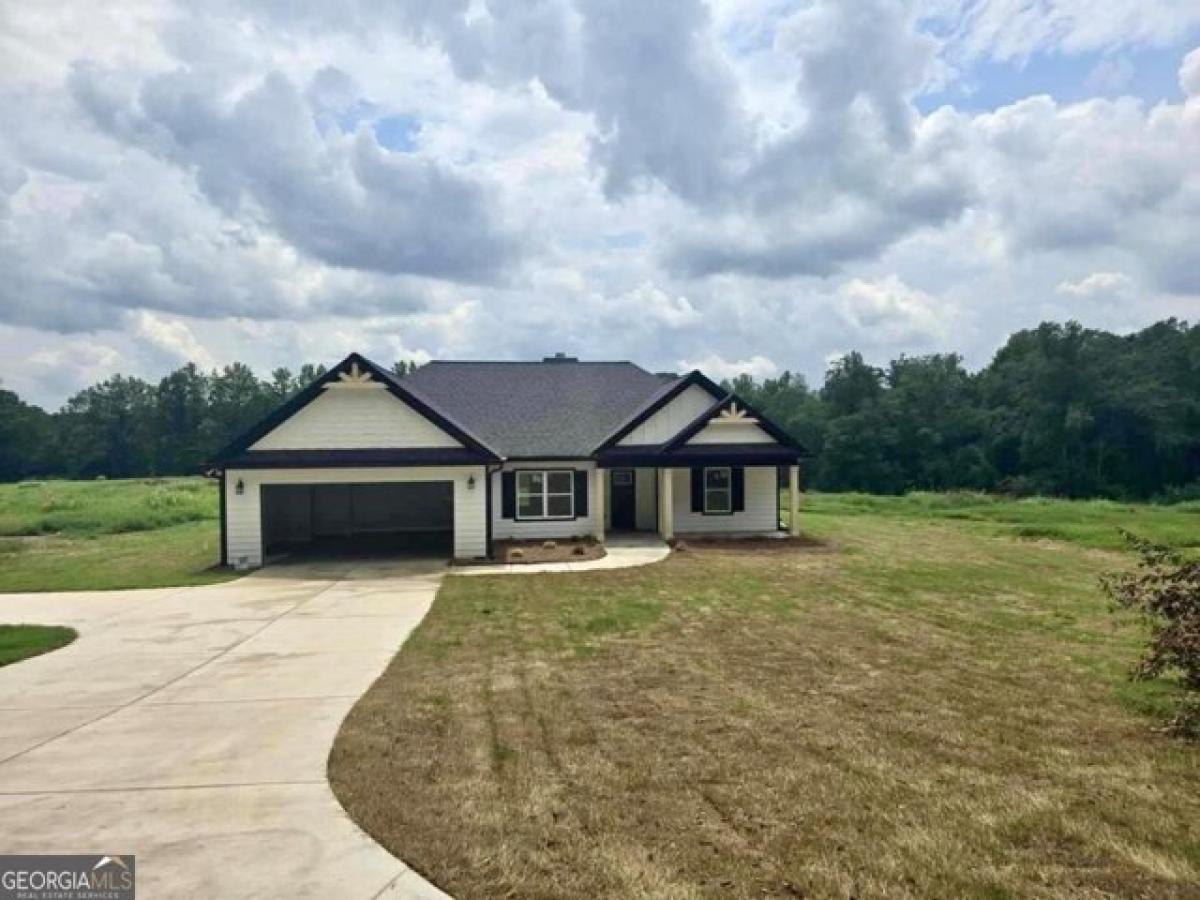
93, 535
921, 708
18, 642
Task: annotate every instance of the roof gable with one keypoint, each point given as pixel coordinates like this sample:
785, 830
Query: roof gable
736, 422
355, 414
355, 390
658, 401
732, 425
668, 419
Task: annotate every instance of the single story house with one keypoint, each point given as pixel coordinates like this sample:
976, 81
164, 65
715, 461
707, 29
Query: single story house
458, 454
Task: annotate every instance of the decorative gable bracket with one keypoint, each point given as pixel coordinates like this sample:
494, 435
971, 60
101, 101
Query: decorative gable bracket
733, 415
353, 379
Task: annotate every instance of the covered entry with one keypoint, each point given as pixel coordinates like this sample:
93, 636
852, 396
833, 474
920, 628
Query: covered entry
375, 517
632, 499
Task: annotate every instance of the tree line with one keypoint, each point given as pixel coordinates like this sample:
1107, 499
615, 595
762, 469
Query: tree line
125, 426
1060, 410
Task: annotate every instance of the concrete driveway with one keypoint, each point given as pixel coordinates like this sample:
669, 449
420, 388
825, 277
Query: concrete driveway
191, 727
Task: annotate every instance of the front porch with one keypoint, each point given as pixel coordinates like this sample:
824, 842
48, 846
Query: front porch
719, 497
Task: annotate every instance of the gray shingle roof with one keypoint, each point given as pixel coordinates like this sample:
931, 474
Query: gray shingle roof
538, 409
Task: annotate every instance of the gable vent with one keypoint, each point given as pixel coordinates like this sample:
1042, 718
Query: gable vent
560, 357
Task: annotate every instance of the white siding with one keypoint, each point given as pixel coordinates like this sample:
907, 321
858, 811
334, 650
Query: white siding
536, 530
760, 516
671, 419
244, 512
348, 418
732, 434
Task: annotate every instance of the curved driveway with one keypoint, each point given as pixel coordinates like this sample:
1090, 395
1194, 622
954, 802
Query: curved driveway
191, 727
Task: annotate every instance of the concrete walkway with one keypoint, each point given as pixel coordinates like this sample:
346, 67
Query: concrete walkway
623, 552
191, 727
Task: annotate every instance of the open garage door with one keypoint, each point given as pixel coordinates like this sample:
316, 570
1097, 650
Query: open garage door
378, 518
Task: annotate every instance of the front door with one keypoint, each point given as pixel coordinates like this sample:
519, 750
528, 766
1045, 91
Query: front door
624, 500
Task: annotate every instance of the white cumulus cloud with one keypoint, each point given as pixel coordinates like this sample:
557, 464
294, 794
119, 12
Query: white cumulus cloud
717, 367
748, 185
888, 310
1097, 284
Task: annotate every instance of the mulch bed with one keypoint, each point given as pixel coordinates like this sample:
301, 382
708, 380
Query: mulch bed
750, 544
559, 550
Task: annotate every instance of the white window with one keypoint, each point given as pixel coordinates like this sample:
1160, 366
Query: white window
546, 494
718, 490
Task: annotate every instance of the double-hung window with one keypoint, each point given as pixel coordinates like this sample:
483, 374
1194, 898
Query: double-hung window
548, 494
718, 490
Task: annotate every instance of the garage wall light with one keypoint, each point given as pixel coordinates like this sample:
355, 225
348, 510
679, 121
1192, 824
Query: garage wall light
240, 487
470, 482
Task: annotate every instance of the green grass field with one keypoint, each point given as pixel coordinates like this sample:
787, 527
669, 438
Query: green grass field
1089, 523
95, 535
18, 642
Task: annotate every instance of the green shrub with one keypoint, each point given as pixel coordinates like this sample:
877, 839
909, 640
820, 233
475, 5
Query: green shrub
1165, 591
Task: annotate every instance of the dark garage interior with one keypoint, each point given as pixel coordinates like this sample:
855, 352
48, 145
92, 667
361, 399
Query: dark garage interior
378, 518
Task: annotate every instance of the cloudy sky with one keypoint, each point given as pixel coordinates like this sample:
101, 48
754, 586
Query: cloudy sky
739, 185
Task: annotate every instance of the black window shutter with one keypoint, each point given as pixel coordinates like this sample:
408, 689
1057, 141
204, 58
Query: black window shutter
581, 492
508, 495
739, 489
698, 489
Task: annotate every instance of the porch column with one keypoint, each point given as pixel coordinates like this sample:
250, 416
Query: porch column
794, 501
666, 509
598, 476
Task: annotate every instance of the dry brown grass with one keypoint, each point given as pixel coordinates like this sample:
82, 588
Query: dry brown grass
922, 712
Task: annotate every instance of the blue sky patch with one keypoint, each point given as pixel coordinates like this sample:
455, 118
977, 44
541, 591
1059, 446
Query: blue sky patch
1151, 74
398, 132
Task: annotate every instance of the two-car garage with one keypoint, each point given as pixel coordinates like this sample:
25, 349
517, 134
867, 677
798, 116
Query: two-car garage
354, 463
384, 510
372, 517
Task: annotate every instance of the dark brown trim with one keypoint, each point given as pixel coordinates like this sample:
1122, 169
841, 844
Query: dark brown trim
544, 458
352, 458
224, 520
698, 455
488, 472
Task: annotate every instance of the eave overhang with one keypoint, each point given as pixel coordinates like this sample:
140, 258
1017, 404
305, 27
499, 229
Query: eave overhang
699, 455
355, 458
